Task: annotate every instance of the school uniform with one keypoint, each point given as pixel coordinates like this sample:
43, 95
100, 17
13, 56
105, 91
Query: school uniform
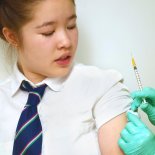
71, 111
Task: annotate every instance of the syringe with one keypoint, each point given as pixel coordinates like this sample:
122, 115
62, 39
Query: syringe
139, 84
137, 76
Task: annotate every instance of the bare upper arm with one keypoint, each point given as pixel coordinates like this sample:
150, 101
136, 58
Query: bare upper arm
109, 134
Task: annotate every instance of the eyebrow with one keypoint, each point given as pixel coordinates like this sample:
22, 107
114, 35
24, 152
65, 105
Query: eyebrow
74, 16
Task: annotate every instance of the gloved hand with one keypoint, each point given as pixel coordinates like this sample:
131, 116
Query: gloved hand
149, 108
136, 138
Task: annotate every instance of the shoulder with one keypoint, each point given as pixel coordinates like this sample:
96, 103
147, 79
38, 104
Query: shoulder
93, 78
97, 74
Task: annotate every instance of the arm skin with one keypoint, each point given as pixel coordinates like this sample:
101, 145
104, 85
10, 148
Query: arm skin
109, 134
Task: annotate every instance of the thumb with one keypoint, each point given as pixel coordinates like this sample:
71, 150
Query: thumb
150, 111
147, 108
135, 120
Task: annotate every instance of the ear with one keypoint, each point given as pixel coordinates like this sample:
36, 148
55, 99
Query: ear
10, 36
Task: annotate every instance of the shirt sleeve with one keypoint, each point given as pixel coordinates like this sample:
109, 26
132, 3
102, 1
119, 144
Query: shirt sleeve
113, 103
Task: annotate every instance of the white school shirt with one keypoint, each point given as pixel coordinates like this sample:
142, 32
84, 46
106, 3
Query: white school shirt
71, 110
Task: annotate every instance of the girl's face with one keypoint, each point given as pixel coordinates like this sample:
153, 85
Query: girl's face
49, 41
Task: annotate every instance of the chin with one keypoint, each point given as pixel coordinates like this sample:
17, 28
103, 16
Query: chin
64, 72
61, 72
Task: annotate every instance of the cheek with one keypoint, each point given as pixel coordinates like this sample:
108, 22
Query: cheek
75, 38
31, 44
36, 53
39, 45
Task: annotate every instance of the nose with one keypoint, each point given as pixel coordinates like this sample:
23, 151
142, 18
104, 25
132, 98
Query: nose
64, 40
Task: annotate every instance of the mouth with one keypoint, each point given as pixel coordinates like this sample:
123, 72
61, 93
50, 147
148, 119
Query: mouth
64, 60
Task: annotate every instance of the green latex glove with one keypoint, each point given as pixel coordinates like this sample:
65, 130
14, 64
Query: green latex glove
149, 108
136, 138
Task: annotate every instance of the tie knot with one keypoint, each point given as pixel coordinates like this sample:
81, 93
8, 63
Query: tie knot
35, 93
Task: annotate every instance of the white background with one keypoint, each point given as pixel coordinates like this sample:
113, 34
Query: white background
109, 31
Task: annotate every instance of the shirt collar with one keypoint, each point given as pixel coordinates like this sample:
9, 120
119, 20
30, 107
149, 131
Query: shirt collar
55, 84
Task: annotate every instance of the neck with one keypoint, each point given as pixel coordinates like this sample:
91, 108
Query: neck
33, 77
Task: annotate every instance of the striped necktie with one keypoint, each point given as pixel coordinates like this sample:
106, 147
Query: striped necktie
28, 138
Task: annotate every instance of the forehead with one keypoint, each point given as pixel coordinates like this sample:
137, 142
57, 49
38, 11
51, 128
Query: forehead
53, 10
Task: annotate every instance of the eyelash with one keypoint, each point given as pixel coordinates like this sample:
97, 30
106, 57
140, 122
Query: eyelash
48, 34
51, 33
71, 27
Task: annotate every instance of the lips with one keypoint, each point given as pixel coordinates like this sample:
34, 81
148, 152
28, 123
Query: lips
63, 60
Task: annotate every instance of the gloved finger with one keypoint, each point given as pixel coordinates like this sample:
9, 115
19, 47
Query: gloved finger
135, 104
134, 94
131, 128
150, 95
139, 94
150, 111
147, 92
125, 135
135, 120
146, 107
134, 108
122, 144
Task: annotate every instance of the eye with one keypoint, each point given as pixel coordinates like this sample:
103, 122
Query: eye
48, 34
71, 27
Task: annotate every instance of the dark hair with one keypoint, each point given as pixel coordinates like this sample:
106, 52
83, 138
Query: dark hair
15, 13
